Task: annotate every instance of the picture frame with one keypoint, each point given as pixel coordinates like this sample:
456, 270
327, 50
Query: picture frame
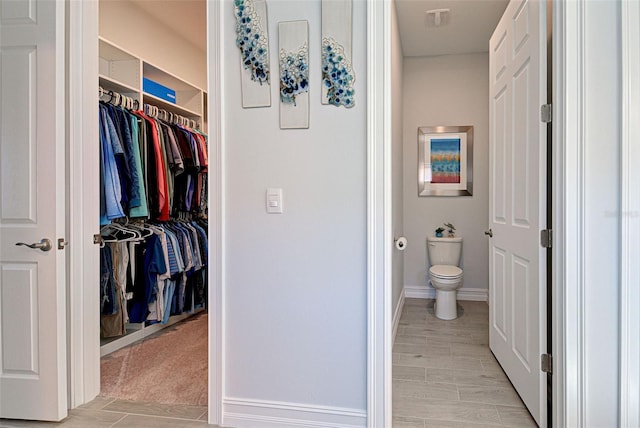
445, 160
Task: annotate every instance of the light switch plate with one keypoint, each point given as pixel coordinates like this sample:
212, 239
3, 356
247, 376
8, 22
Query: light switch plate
274, 200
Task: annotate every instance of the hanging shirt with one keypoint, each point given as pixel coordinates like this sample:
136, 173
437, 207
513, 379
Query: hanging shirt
111, 180
120, 264
177, 165
154, 265
107, 283
124, 174
142, 210
159, 167
135, 170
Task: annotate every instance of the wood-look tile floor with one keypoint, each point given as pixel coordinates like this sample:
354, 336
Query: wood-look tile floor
108, 412
444, 374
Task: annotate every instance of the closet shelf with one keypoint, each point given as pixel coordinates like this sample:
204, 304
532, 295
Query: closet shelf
123, 72
112, 84
171, 107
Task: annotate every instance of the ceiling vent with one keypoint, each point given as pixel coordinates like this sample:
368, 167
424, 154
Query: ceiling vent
437, 17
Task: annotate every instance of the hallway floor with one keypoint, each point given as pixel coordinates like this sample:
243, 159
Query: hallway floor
107, 412
444, 374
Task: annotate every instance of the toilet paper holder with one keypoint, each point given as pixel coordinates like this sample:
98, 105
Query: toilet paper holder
401, 243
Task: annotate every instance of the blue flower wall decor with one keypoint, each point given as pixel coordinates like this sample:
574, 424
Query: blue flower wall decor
337, 75
294, 74
252, 41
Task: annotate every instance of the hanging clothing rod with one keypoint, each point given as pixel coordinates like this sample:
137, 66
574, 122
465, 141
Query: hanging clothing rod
167, 116
118, 99
129, 103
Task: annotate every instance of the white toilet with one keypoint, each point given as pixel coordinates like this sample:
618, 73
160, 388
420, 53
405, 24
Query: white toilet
444, 274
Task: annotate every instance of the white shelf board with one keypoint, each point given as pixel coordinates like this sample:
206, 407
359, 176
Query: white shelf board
112, 52
166, 78
110, 83
166, 105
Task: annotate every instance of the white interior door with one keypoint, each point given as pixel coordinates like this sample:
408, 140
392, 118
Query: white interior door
517, 278
32, 149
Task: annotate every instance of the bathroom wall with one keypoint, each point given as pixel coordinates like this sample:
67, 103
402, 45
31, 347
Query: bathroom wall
295, 283
397, 158
447, 90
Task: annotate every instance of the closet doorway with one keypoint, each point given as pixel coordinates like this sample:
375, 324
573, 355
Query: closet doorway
151, 70
152, 89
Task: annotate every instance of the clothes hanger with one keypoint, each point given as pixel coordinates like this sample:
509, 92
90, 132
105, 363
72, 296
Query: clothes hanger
142, 228
130, 234
111, 236
110, 93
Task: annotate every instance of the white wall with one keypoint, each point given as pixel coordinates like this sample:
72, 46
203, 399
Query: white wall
397, 157
295, 283
128, 26
447, 90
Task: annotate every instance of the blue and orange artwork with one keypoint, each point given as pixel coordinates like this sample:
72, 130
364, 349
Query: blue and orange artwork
445, 160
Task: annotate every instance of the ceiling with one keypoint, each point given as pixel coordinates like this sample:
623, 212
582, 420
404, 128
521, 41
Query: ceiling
470, 25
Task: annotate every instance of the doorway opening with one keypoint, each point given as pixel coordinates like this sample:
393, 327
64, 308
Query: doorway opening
154, 255
446, 82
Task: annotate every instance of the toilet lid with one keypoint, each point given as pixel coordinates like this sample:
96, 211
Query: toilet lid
445, 271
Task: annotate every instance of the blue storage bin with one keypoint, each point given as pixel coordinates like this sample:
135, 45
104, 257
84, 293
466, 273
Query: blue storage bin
158, 90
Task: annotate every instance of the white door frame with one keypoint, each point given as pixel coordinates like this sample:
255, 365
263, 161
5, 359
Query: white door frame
571, 241
83, 317
83, 208
560, 207
217, 196
379, 215
630, 209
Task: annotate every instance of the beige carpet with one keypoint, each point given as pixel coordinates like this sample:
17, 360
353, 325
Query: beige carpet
170, 367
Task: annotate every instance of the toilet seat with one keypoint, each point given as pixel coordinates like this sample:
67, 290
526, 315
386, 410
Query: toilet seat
445, 272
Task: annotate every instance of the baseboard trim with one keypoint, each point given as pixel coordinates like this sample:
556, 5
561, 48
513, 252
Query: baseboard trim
473, 294
398, 313
419, 292
242, 413
427, 292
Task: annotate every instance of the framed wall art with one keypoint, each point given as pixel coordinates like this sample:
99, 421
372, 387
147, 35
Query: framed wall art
293, 37
445, 161
338, 77
252, 38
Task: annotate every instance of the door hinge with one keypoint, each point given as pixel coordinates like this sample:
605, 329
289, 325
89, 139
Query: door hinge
546, 363
546, 238
97, 239
545, 113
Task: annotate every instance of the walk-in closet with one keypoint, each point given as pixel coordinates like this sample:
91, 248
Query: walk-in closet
153, 201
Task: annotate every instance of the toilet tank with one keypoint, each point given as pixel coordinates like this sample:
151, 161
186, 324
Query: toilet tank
444, 251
